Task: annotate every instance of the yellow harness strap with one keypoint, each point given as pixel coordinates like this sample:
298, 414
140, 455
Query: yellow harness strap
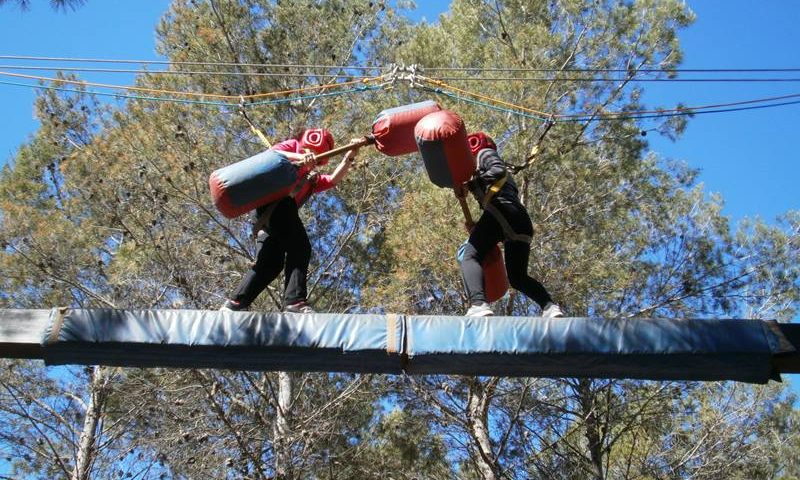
492, 191
261, 136
255, 130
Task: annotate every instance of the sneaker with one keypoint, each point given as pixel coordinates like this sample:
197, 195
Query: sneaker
231, 306
551, 310
480, 310
299, 307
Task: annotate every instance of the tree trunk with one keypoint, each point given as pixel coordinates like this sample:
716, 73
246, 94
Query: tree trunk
283, 456
478, 406
593, 428
87, 450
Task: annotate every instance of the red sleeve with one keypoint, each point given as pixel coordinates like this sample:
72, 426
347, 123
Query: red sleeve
324, 182
290, 145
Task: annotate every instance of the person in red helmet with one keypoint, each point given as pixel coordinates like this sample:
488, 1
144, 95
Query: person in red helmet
505, 219
282, 241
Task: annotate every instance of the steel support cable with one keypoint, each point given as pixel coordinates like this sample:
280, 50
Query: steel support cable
427, 69
692, 112
197, 102
515, 109
626, 114
609, 70
620, 115
167, 62
121, 95
683, 109
534, 113
193, 94
181, 72
631, 79
479, 103
359, 77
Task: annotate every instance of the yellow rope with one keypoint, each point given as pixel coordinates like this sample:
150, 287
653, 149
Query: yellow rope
193, 94
261, 136
483, 97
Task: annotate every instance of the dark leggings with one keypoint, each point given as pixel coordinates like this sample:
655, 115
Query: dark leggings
486, 234
284, 246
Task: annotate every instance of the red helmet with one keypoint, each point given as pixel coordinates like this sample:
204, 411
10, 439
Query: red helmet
478, 141
317, 140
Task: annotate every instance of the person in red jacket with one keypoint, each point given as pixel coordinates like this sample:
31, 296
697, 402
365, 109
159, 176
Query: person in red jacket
282, 241
504, 219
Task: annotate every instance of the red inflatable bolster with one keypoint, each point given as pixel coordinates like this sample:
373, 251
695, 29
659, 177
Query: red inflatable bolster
495, 278
451, 163
225, 205
393, 129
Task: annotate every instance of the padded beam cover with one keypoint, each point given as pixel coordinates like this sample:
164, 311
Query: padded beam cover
656, 349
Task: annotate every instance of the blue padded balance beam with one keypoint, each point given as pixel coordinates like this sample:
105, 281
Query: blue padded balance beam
752, 351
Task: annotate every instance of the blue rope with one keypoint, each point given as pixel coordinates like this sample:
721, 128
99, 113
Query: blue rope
119, 95
484, 104
318, 95
683, 113
194, 102
438, 91
603, 117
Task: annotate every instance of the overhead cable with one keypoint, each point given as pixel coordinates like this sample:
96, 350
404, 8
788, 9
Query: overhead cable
192, 94
181, 72
167, 62
426, 69
438, 86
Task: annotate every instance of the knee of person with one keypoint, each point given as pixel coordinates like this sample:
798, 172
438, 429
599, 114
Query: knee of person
466, 252
302, 249
515, 281
516, 278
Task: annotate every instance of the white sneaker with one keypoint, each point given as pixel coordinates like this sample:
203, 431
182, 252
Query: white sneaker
299, 307
481, 310
231, 306
551, 310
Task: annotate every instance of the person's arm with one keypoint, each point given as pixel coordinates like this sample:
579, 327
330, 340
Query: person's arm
344, 166
289, 148
492, 167
300, 159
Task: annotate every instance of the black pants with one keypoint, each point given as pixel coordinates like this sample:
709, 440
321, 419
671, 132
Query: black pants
283, 246
486, 234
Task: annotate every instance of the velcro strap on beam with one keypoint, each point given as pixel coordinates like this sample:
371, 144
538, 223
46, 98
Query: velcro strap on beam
55, 327
391, 332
